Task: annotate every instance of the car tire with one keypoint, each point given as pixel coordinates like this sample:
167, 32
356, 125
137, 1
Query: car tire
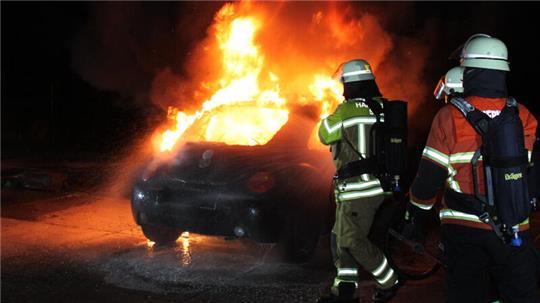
160, 234
300, 237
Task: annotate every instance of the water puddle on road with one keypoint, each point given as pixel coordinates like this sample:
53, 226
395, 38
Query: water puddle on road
183, 249
197, 264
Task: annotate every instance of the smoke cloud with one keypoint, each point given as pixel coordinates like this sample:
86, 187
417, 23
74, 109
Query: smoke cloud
123, 46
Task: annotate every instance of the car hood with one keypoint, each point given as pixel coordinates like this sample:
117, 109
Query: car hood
220, 164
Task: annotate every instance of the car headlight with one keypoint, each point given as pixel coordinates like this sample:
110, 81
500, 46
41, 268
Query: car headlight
253, 211
138, 195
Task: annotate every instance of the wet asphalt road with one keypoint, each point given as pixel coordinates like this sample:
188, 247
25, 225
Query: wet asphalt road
86, 248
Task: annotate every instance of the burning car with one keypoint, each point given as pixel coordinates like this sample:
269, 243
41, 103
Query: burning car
241, 163
275, 192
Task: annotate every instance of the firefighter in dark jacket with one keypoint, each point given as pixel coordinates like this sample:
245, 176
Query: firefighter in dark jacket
477, 259
357, 197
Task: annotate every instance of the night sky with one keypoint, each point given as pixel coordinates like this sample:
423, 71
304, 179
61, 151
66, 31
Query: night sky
51, 105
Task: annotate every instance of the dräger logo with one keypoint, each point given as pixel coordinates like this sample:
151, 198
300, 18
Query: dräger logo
513, 176
395, 140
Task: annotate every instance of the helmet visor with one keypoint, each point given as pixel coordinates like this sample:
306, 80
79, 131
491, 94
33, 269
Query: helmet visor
439, 89
337, 74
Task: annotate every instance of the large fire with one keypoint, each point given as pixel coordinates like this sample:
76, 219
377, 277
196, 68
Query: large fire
242, 82
260, 59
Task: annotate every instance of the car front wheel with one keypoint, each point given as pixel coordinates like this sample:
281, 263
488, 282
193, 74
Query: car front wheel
160, 234
300, 238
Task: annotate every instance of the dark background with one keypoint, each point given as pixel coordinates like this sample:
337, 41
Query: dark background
50, 108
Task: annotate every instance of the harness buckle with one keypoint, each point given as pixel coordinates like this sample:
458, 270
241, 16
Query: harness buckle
485, 218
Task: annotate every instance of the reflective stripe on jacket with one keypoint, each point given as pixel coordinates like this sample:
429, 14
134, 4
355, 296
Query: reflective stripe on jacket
356, 188
351, 122
446, 159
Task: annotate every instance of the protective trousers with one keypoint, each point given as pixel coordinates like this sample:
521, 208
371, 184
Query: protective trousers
353, 222
481, 268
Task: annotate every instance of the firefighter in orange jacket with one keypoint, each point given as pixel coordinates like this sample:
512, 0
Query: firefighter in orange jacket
477, 259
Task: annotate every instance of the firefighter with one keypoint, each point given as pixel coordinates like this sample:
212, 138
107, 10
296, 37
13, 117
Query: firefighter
478, 256
450, 85
358, 194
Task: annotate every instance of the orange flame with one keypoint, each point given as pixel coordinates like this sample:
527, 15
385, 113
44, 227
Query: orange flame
328, 92
260, 58
242, 65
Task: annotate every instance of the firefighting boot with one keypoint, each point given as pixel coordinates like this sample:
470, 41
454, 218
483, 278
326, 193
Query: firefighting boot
385, 295
347, 294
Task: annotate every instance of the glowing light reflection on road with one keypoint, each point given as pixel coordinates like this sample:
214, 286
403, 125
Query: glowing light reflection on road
183, 249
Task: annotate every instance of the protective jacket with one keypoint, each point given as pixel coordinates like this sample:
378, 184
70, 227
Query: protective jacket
347, 131
446, 159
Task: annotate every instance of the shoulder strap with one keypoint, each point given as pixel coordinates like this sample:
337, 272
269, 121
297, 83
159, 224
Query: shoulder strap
377, 110
346, 138
511, 106
511, 102
376, 107
462, 105
373, 105
478, 120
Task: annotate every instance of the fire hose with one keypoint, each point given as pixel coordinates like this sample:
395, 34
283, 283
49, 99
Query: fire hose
416, 246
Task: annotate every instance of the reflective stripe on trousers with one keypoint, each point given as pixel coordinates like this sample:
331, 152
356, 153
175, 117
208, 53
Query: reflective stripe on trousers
384, 274
345, 275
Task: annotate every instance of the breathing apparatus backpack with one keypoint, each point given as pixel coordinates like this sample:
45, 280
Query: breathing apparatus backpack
506, 201
387, 154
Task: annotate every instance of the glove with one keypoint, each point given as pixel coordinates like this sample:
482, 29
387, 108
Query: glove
415, 218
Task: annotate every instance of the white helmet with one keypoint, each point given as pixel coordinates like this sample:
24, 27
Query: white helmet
450, 84
484, 51
355, 70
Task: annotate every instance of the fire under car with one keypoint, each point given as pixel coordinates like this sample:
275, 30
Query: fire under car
277, 192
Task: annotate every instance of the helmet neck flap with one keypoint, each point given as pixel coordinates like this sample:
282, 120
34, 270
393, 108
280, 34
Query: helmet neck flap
487, 83
361, 89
